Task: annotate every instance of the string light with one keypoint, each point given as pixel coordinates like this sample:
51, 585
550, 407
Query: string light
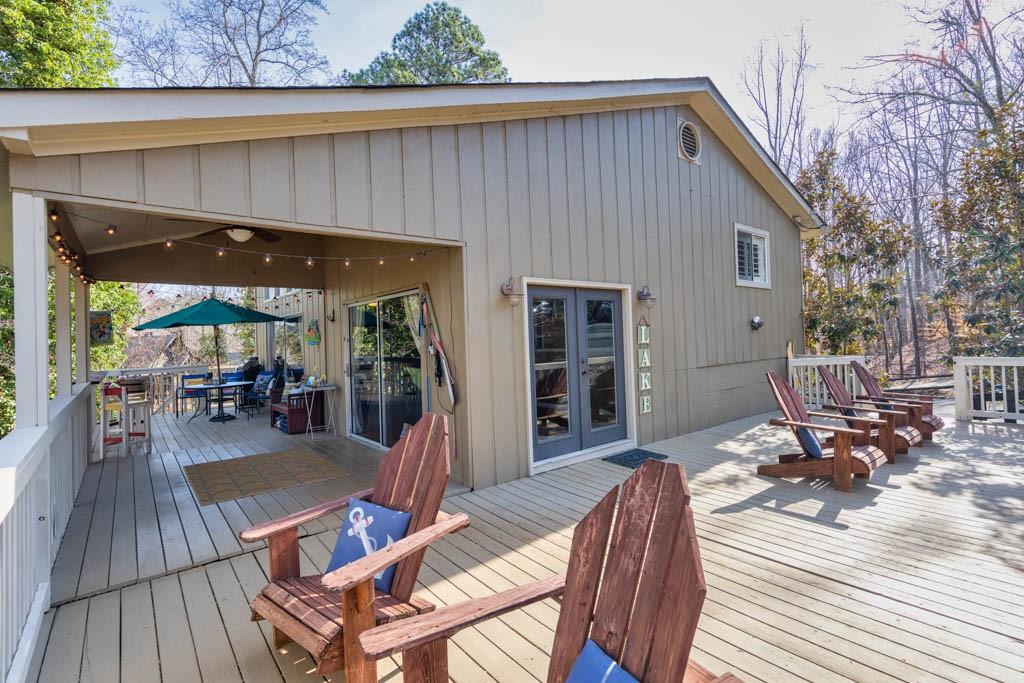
267, 259
53, 216
61, 249
221, 253
412, 258
380, 261
168, 244
310, 263
348, 263
111, 230
56, 236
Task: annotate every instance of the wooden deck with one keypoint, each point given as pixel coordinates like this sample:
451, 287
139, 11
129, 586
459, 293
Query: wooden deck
917, 575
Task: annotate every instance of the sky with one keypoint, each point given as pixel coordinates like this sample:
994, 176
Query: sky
552, 40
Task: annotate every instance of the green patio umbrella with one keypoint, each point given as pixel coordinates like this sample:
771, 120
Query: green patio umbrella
213, 312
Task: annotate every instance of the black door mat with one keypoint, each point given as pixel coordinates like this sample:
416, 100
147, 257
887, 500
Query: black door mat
634, 458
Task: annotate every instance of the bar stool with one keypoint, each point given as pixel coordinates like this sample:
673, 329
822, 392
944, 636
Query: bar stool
112, 403
138, 413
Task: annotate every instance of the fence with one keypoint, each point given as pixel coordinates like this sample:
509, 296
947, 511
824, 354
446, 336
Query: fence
988, 387
163, 382
41, 469
804, 377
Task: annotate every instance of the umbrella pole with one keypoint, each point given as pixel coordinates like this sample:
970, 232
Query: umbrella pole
216, 350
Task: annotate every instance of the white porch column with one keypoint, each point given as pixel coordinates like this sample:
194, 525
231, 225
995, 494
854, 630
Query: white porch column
62, 326
31, 355
81, 331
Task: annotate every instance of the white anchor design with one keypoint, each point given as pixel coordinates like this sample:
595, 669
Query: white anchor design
360, 520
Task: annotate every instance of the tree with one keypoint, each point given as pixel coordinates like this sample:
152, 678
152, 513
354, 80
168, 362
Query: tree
851, 271
54, 44
438, 44
222, 43
985, 229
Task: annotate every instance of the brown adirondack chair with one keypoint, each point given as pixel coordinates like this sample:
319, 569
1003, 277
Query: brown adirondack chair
326, 613
642, 610
898, 423
930, 422
851, 453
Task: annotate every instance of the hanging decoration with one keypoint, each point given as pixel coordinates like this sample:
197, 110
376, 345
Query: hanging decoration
101, 328
313, 333
643, 350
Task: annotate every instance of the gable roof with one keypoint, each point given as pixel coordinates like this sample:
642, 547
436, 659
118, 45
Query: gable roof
66, 121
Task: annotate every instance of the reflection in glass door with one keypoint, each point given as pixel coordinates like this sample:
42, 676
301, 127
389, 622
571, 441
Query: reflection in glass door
385, 366
576, 364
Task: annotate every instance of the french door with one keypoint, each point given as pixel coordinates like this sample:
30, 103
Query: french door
576, 368
385, 369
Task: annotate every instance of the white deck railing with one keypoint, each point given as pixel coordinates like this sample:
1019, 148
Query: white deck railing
163, 381
804, 377
988, 387
41, 469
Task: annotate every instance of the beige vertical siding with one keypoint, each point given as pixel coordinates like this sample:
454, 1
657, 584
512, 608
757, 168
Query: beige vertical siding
596, 197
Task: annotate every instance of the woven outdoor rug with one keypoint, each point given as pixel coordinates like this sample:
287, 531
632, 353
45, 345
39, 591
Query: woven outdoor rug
634, 458
213, 482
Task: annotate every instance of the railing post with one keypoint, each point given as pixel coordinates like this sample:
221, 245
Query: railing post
31, 356
62, 327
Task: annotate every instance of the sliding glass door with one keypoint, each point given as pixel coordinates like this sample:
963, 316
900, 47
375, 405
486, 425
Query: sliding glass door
577, 369
385, 367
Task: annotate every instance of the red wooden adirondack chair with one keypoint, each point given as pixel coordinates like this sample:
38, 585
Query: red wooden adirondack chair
898, 435
851, 453
326, 613
930, 423
642, 610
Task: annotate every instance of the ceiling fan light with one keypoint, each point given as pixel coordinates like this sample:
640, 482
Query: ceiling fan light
240, 234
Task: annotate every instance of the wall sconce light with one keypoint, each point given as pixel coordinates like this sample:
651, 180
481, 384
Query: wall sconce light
645, 297
756, 323
330, 316
510, 289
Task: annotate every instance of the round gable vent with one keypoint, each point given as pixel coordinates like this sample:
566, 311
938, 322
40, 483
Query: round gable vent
689, 141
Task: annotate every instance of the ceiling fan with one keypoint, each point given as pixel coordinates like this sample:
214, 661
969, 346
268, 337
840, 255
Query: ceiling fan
238, 233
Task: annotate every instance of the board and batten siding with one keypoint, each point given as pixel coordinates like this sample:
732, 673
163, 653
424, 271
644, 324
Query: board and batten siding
305, 303
597, 197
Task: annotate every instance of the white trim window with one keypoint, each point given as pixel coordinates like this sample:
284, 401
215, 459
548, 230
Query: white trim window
753, 257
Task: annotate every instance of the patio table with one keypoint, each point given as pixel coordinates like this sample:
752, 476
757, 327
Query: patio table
309, 397
220, 416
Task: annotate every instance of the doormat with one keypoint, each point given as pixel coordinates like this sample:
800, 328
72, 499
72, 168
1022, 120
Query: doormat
634, 458
215, 482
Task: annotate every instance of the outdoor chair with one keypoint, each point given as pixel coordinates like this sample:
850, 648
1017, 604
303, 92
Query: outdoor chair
257, 395
930, 423
851, 453
326, 613
899, 432
234, 397
637, 599
183, 394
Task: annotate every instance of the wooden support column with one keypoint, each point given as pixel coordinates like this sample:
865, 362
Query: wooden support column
62, 326
31, 357
81, 331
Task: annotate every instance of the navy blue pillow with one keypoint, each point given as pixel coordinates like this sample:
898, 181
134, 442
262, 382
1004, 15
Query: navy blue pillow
368, 528
594, 666
810, 442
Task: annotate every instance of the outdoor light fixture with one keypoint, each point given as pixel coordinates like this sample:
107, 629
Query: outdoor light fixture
310, 263
267, 260
331, 316
221, 253
645, 297
756, 323
510, 289
111, 230
168, 244
53, 215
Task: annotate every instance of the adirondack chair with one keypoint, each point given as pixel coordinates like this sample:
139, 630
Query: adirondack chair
930, 423
899, 433
642, 611
326, 613
851, 453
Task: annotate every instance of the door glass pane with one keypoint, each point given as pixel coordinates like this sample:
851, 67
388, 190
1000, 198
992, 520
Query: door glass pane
400, 364
601, 375
365, 372
550, 368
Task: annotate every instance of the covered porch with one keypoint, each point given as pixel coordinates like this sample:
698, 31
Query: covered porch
915, 575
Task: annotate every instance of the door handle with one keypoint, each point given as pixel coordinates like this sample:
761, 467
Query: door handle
584, 367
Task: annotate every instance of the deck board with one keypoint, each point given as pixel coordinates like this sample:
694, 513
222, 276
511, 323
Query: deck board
916, 575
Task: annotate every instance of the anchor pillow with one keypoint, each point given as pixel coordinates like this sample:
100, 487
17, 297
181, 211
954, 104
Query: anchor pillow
594, 666
368, 528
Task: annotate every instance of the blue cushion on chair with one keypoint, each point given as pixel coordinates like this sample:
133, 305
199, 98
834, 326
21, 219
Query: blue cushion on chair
367, 528
810, 442
594, 666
